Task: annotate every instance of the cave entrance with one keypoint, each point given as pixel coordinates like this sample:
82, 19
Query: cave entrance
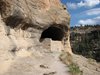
55, 33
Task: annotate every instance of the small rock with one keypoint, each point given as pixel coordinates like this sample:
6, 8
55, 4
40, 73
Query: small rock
50, 73
44, 66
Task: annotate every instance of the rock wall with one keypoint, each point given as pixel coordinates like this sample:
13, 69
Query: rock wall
22, 23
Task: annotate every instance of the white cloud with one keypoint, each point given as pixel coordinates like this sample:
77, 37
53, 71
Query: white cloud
92, 3
95, 11
98, 17
80, 4
84, 3
88, 21
72, 5
92, 21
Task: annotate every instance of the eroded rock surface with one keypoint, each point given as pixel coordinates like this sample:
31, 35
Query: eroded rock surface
27, 31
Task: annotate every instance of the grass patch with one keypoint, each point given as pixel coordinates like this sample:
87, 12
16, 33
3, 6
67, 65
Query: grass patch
74, 69
91, 61
67, 59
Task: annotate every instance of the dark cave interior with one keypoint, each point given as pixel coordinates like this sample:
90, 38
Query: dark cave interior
54, 33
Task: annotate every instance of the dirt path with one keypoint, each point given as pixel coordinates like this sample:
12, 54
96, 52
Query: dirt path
33, 64
46, 65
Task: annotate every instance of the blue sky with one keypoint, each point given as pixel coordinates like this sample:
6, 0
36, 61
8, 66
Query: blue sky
83, 11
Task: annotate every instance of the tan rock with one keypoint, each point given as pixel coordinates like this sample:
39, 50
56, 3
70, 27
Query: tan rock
30, 29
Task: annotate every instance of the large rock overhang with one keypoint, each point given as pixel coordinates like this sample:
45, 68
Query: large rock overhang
39, 14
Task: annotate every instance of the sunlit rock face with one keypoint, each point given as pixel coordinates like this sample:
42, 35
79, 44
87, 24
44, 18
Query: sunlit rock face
31, 27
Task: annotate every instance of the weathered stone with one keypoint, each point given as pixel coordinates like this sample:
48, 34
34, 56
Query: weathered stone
25, 26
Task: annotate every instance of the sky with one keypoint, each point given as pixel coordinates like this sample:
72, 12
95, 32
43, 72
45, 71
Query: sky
83, 12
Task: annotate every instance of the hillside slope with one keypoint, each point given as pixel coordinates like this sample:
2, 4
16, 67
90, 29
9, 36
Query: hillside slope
86, 41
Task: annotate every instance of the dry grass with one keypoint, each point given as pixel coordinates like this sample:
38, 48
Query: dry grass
67, 59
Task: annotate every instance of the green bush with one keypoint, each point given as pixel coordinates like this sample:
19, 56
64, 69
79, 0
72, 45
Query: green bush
74, 69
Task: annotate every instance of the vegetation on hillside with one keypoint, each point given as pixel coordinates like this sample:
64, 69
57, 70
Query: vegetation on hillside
85, 40
74, 69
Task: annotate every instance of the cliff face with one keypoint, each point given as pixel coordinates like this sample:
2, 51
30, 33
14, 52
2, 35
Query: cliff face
25, 26
34, 16
85, 41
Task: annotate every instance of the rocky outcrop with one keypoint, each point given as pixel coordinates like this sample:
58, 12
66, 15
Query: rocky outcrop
25, 26
85, 41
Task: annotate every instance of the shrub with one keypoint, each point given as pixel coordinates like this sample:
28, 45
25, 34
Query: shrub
74, 69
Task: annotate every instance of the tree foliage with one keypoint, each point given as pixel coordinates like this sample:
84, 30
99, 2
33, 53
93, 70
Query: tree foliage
88, 43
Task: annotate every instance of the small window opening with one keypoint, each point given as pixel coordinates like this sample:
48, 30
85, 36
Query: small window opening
54, 33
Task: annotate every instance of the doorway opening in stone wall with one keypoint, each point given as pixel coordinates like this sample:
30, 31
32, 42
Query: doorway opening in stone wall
52, 38
54, 33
